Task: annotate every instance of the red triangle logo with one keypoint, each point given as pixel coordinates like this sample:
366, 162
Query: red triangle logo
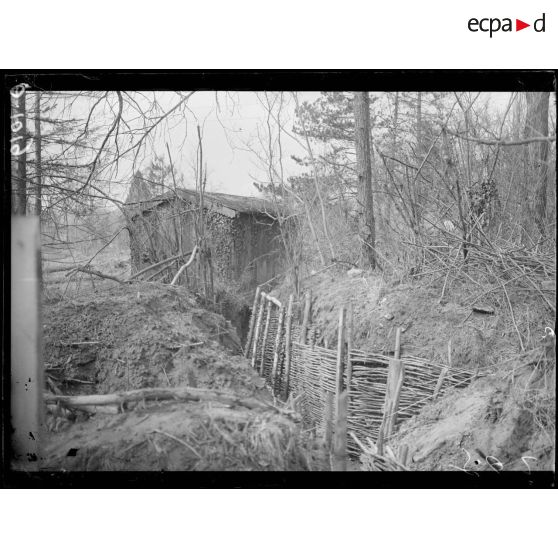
519, 25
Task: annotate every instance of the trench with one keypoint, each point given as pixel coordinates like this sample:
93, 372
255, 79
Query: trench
316, 376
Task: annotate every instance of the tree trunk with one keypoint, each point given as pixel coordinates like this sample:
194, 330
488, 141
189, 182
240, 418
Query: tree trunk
38, 161
19, 132
537, 153
38, 172
364, 174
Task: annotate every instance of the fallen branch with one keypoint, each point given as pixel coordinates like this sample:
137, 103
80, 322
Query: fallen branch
157, 394
99, 274
153, 266
179, 272
504, 143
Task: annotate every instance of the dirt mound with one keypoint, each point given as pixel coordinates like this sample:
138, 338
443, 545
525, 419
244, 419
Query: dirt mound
504, 415
477, 340
508, 418
141, 336
144, 336
184, 437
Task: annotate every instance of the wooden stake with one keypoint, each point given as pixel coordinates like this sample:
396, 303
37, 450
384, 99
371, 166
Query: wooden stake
394, 383
266, 332
27, 382
257, 332
403, 454
252, 322
340, 439
349, 337
397, 372
397, 343
328, 421
277, 349
443, 374
306, 317
339, 457
288, 343
340, 353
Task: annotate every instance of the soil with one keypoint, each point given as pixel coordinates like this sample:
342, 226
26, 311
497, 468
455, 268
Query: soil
503, 422
142, 336
502, 414
151, 335
428, 324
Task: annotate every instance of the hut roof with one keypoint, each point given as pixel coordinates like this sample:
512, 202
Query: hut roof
227, 204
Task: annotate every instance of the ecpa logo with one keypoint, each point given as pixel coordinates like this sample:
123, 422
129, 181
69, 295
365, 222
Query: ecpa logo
494, 24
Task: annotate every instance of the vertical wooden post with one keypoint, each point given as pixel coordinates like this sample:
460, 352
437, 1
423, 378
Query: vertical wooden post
306, 317
277, 349
340, 353
257, 332
403, 454
288, 345
27, 383
340, 438
339, 456
264, 340
349, 336
252, 321
397, 374
397, 352
328, 421
394, 383
443, 373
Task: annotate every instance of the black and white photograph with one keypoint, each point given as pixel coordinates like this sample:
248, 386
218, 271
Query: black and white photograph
278, 279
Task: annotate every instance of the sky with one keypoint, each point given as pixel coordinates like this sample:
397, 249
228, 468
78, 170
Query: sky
232, 135
234, 128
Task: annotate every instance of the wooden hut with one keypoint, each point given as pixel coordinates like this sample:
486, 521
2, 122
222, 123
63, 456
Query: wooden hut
241, 233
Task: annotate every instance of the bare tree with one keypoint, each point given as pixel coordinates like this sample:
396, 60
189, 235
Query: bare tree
19, 149
364, 174
537, 153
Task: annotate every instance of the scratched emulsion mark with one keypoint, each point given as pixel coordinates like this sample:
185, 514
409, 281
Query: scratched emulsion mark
26, 407
16, 126
493, 462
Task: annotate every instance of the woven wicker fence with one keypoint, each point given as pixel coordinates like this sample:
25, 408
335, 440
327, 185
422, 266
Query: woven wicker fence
308, 373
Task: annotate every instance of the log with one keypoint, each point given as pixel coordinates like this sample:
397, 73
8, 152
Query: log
156, 394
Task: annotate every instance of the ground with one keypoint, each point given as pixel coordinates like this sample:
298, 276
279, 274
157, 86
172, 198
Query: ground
506, 421
509, 413
145, 335
428, 323
106, 337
